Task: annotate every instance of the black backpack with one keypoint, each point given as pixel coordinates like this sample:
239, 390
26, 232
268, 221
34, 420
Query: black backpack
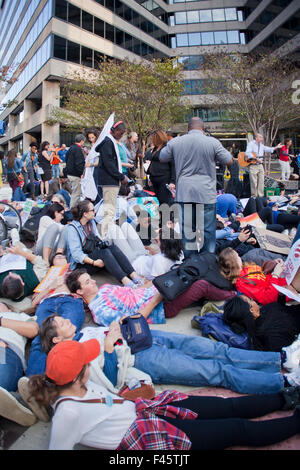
181, 277
30, 229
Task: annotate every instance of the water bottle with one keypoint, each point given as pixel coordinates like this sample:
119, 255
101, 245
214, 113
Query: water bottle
133, 383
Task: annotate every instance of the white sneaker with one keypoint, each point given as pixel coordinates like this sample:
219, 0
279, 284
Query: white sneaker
294, 377
292, 355
12, 409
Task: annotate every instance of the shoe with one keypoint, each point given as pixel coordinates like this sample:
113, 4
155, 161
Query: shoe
39, 411
294, 377
195, 322
292, 355
291, 396
12, 409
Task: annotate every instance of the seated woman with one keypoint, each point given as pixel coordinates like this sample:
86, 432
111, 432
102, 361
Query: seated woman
84, 228
147, 265
269, 328
15, 329
185, 423
51, 234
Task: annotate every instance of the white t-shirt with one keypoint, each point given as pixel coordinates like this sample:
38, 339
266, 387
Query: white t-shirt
92, 424
151, 266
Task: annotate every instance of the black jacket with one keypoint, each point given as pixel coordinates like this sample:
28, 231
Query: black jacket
109, 174
161, 172
75, 161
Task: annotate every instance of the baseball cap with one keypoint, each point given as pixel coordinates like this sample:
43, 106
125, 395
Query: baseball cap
66, 360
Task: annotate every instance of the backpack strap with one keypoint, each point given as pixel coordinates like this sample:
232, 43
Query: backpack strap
107, 400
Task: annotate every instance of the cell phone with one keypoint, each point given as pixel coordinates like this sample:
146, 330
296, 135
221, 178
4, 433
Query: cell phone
4, 243
248, 228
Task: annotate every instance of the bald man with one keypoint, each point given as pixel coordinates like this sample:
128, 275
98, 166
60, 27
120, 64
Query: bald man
195, 156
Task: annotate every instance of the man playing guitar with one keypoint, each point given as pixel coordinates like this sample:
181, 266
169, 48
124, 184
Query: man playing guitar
255, 151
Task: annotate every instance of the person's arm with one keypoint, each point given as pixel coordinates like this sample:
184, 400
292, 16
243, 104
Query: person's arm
222, 155
65, 430
166, 154
29, 329
19, 250
249, 151
155, 300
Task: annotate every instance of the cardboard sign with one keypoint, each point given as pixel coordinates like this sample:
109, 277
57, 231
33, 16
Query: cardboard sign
272, 241
52, 274
254, 220
292, 263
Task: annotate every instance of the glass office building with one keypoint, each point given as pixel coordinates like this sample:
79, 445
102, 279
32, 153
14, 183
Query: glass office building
52, 37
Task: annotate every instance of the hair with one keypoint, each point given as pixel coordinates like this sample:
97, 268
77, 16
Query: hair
9, 307
11, 156
53, 256
72, 280
219, 225
12, 288
228, 266
54, 207
117, 126
159, 138
170, 246
238, 316
287, 140
47, 332
59, 196
1, 155
79, 210
79, 138
92, 130
46, 391
33, 144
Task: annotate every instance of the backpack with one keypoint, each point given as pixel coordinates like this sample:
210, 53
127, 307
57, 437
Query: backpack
30, 229
214, 326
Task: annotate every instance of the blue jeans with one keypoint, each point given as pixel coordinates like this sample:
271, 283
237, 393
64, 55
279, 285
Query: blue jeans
11, 369
198, 217
226, 205
196, 361
55, 170
68, 308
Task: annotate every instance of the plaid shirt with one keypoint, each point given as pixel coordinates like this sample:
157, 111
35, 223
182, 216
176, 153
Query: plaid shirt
148, 432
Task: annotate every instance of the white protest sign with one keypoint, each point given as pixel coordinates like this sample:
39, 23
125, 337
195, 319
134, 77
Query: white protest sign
292, 263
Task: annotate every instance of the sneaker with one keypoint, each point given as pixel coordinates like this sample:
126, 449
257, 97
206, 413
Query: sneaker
294, 377
12, 409
39, 411
195, 322
292, 355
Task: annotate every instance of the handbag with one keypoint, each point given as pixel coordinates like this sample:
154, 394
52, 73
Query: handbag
180, 278
136, 332
92, 243
19, 177
146, 391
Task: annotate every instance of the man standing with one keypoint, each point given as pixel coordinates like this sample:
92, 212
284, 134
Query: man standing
75, 164
62, 155
256, 170
110, 174
195, 156
30, 161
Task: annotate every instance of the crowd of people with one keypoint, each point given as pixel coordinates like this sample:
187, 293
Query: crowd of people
176, 241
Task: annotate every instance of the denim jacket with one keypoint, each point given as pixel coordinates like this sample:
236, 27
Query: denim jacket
74, 242
26, 159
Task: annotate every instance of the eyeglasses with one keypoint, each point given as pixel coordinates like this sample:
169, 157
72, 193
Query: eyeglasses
91, 210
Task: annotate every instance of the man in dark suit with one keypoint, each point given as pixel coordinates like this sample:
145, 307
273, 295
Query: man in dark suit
75, 164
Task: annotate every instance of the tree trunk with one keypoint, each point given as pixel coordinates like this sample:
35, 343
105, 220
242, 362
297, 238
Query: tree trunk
141, 160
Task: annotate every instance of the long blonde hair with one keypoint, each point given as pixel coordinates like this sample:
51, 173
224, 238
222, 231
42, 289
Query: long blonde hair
228, 265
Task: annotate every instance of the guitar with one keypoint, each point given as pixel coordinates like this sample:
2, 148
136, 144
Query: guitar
243, 159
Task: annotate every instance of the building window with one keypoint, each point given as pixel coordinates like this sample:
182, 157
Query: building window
233, 37
73, 52
194, 39
180, 17
99, 27
60, 48
74, 15
109, 32
220, 37
87, 21
207, 38
218, 14
87, 56
193, 16
205, 16
61, 9
182, 40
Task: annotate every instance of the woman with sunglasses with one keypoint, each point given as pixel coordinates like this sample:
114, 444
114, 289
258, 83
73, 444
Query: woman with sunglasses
84, 228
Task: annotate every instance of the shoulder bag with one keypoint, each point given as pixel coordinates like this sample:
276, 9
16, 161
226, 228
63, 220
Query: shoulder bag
136, 332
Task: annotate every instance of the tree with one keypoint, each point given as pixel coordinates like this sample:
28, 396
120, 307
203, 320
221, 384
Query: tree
255, 89
145, 95
8, 76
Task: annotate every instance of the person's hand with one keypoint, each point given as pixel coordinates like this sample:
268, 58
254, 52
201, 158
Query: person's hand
125, 180
244, 235
122, 318
279, 146
112, 337
279, 268
251, 241
172, 186
16, 250
98, 263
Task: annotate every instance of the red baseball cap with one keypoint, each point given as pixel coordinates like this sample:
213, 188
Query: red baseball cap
66, 360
